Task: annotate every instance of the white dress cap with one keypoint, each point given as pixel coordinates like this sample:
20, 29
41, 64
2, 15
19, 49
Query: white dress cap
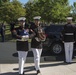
37, 17
21, 18
69, 18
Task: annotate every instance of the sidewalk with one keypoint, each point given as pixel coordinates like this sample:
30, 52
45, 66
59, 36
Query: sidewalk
47, 68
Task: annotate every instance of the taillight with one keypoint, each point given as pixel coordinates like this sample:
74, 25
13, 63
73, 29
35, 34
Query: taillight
46, 35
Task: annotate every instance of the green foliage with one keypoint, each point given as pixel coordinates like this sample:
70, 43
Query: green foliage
11, 11
49, 10
74, 11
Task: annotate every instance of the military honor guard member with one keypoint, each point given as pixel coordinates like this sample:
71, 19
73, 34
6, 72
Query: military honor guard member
68, 39
36, 43
2, 31
22, 33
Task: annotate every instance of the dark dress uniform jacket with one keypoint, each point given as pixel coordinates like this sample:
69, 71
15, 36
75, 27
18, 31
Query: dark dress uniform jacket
68, 33
34, 42
21, 45
18, 33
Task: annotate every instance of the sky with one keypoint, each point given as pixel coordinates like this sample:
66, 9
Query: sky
71, 1
25, 1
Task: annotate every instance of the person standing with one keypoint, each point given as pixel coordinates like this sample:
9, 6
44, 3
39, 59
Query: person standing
22, 34
36, 43
68, 39
2, 32
12, 25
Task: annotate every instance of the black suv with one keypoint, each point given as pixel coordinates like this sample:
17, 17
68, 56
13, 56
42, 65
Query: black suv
54, 41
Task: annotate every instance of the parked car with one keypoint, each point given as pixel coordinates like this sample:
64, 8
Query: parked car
54, 41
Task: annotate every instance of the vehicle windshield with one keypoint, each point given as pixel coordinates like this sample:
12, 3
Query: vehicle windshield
54, 28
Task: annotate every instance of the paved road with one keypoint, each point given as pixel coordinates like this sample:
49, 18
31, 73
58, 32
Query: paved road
9, 64
8, 49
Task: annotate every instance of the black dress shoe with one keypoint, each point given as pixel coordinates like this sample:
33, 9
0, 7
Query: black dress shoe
38, 72
70, 63
22, 74
67, 62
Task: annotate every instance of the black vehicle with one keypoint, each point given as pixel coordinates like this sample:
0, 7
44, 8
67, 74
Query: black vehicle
54, 41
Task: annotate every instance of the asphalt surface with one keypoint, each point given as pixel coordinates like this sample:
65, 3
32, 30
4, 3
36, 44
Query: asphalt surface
8, 53
50, 64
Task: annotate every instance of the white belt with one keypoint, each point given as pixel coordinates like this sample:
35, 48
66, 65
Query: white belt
21, 40
68, 33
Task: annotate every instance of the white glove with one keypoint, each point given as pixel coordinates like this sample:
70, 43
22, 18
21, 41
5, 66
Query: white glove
44, 39
25, 38
37, 39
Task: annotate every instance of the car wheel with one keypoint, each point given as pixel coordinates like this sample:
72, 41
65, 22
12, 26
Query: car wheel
57, 48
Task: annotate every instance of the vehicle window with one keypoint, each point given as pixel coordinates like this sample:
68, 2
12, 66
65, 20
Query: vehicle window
54, 28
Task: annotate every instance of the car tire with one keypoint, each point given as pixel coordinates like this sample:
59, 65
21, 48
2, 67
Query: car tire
57, 48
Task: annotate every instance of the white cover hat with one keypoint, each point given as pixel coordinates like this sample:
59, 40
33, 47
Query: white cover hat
21, 18
69, 18
37, 17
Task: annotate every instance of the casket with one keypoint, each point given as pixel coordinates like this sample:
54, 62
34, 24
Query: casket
22, 45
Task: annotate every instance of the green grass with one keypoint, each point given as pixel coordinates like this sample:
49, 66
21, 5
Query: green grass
8, 37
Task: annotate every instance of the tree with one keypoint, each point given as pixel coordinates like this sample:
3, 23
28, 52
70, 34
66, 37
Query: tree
5, 0
30, 9
60, 10
49, 10
74, 11
11, 11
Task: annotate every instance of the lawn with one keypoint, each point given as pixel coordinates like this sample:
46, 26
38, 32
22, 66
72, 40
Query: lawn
8, 37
